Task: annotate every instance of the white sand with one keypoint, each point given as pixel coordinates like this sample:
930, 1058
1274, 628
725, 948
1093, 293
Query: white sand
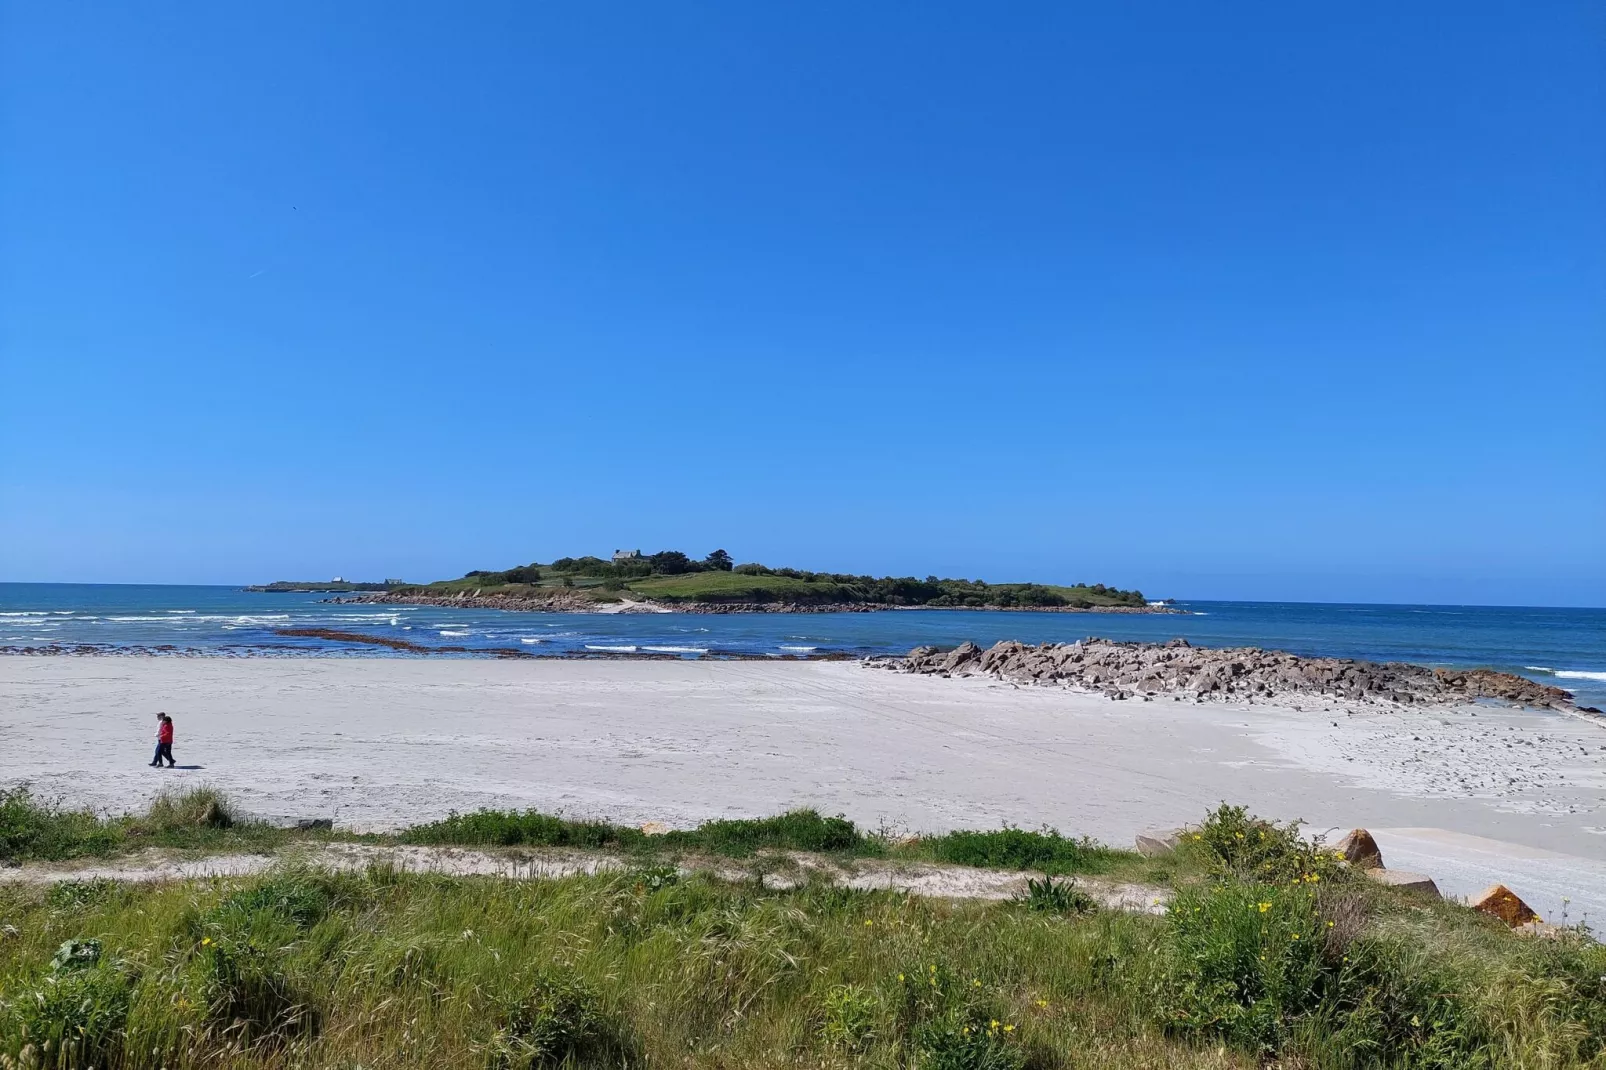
1467, 795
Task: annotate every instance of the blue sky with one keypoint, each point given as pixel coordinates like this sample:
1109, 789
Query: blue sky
1265, 301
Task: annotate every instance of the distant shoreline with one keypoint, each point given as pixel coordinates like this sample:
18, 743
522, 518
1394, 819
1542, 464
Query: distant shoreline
562, 601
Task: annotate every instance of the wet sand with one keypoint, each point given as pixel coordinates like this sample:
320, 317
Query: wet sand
1468, 795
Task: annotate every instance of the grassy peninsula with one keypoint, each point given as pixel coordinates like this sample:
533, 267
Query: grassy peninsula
673, 578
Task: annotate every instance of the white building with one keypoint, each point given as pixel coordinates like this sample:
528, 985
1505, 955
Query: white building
627, 555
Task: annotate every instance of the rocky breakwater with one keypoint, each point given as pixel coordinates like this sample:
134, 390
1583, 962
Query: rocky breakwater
552, 600
1146, 670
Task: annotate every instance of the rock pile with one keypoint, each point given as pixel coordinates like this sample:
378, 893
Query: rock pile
1129, 670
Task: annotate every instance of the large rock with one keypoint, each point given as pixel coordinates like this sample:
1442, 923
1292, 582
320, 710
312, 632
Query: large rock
1410, 882
1360, 850
1154, 843
1096, 664
1501, 902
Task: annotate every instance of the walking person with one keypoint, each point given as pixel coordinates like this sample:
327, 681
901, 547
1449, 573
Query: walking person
164, 741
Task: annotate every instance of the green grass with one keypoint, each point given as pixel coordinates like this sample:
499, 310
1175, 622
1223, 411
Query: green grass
386, 968
201, 819
737, 587
754, 584
1270, 954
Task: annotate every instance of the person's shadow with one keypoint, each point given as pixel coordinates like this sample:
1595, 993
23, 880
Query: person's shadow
186, 767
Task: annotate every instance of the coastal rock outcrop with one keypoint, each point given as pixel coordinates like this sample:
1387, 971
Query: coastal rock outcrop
1360, 850
1501, 902
1127, 670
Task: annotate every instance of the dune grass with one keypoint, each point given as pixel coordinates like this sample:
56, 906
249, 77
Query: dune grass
384, 968
197, 819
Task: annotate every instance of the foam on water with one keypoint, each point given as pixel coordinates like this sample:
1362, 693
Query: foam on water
1557, 646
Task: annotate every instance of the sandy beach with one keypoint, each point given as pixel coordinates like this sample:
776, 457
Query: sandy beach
1469, 794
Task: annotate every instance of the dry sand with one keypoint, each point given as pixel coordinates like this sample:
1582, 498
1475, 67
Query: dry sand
1469, 795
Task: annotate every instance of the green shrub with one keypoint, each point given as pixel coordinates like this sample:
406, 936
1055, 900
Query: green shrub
76, 1016
963, 1040
508, 828
1013, 848
949, 1024
1234, 843
1049, 896
72, 895
556, 1021
849, 1017
299, 897
1242, 962
249, 996
75, 955
799, 830
31, 829
653, 878
179, 811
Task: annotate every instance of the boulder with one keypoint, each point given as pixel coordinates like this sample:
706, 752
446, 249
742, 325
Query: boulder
1501, 902
1360, 850
1410, 882
1154, 843
315, 824
655, 828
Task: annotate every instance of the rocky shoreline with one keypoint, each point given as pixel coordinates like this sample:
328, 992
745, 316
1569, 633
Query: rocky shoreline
1123, 670
569, 600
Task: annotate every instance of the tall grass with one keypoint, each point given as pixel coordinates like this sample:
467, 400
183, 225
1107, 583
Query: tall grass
798, 830
35, 829
302, 967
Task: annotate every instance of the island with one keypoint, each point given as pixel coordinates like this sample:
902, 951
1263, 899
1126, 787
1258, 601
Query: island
673, 581
320, 586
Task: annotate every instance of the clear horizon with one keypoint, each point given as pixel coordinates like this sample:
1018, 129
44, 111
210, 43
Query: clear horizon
1176, 598
1264, 304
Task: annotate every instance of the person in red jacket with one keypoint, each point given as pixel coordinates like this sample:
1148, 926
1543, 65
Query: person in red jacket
164, 740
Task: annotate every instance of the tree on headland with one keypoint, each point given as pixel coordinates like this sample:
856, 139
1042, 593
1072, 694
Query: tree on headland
718, 561
671, 563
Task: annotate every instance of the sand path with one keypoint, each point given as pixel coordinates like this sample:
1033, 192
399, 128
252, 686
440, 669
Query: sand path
1467, 795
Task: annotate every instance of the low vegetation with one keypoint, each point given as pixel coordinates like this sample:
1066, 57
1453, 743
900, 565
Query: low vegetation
40, 830
672, 576
1268, 955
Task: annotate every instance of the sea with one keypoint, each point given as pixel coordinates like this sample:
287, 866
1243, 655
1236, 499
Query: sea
1562, 647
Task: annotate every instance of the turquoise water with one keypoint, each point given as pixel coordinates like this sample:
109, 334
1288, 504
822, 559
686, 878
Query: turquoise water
1563, 647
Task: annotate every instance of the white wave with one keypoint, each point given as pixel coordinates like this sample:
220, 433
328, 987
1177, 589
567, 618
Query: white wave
141, 620
676, 649
1579, 674
613, 649
800, 649
1539, 668
178, 612
531, 639
25, 613
451, 633
63, 612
